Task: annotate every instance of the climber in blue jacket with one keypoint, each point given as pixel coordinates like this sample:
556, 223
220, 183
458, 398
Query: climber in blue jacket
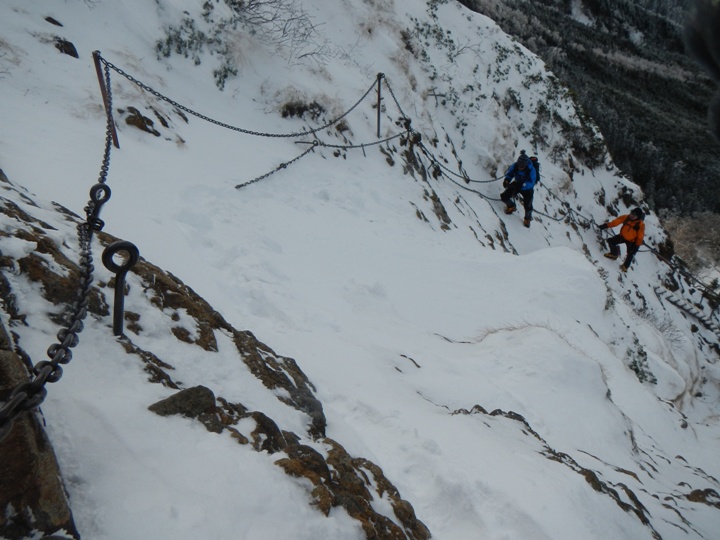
520, 179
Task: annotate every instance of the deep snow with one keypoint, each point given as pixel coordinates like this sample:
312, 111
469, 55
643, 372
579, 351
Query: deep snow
396, 322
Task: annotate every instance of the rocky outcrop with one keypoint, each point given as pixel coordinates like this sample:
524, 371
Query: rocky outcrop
35, 497
32, 495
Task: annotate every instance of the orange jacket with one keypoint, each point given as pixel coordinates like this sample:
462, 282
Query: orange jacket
633, 230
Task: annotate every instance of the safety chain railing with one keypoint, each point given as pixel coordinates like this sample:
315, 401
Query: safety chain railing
449, 173
464, 177
313, 145
181, 107
380, 78
28, 396
443, 170
317, 142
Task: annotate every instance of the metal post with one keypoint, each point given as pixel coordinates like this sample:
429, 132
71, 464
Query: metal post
379, 101
103, 90
131, 257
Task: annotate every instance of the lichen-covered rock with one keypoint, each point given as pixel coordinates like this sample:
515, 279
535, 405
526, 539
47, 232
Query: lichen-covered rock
191, 402
137, 119
341, 480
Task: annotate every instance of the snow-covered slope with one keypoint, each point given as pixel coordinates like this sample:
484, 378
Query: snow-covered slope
491, 371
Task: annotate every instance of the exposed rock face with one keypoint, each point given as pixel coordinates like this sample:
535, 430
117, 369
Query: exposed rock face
338, 479
191, 402
66, 47
32, 496
137, 119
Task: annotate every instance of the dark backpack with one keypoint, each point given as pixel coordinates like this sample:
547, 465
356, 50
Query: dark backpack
536, 165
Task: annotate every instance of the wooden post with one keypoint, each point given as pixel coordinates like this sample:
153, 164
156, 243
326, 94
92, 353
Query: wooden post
103, 90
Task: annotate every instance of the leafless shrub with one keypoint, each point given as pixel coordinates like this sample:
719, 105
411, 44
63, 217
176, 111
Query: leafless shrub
665, 325
283, 25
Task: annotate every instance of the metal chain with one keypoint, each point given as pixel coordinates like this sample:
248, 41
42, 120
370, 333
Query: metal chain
434, 161
279, 167
464, 177
174, 103
105, 167
28, 396
397, 103
314, 144
470, 180
364, 145
437, 162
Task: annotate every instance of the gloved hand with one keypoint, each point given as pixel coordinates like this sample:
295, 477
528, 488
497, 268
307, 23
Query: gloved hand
506, 183
603, 226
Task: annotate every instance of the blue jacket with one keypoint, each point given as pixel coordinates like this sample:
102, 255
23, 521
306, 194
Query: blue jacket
526, 178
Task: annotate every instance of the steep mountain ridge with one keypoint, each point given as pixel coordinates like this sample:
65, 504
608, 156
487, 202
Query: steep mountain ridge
625, 62
409, 301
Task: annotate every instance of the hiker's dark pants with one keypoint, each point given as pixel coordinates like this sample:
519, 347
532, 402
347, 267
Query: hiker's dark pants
614, 244
508, 197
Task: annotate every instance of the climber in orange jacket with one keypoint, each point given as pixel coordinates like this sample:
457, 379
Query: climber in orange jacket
631, 234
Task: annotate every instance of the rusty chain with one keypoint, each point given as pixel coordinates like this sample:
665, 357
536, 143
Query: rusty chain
177, 105
279, 167
28, 396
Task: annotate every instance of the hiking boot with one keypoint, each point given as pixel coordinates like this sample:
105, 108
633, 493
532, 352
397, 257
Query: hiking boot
526, 222
510, 209
623, 268
611, 256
